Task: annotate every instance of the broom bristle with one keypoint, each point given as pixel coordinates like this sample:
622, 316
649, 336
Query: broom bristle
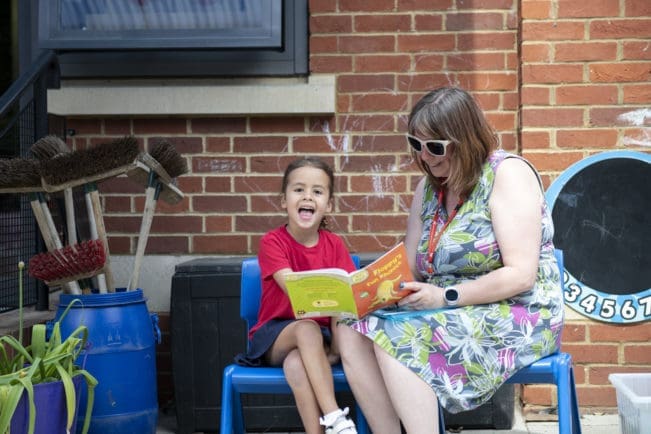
20, 173
85, 258
84, 163
169, 158
48, 147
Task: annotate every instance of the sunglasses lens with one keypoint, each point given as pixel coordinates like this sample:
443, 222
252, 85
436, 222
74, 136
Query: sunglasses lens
415, 143
436, 148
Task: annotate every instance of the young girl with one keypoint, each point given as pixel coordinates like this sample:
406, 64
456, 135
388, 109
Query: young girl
304, 347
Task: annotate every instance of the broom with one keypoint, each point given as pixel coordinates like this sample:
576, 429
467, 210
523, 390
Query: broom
22, 176
85, 167
167, 161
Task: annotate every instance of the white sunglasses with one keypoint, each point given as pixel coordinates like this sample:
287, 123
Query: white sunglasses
436, 148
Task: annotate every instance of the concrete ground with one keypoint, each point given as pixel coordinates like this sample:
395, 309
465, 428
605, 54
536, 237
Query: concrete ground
590, 424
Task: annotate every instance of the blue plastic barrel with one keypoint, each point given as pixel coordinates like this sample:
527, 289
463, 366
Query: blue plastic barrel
121, 354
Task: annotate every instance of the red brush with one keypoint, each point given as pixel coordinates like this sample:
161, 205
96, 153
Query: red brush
69, 263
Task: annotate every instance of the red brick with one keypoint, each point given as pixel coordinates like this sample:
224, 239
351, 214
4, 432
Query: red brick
592, 353
320, 143
218, 144
585, 51
475, 61
425, 43
620, 72
371, 243
636, 93
258, 144
502, 121
321, 6
637, 354
365, 82
552, 31
266, 204
574, 333
119, 245
114, 204
365, 203
488, 100
428, 22
165, 224
486, 4
257, 184
219, 203
167, 245
218, 164
323, 44
220, 244
379, 102
365, 163
486, 41
557, 162
600, 396
331, 24
589, 138
636, 50
533, 10
620, 29
83, 127
426, 5
382, 23
378, 223
380, 143
637, 8
160, 126
366, 123
218, 125
365, 6
488, 80
122, 223
535, 140
190, 184
599, 374
473, 21
277, 124
382, 63
116, 126
538, 395
552, 74
366, 44
595, 8
532, 95
428, 62
552, 117
614, 333
423, 82
609, 116
255, 223
586, 95
330, 64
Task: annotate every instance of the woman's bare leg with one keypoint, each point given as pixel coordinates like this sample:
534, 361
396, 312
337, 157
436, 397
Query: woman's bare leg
366, 381
413, 399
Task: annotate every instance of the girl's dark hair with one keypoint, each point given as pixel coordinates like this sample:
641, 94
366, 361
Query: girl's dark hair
318, 164
451, 113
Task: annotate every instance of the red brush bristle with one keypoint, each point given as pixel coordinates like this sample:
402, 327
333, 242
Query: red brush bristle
85, 258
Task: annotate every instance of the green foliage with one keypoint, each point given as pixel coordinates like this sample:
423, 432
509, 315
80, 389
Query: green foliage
43, 361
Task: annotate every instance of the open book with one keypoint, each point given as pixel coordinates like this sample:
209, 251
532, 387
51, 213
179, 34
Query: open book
334, 292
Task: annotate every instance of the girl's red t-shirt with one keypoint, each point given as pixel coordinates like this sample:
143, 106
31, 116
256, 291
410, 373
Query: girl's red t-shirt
278, 250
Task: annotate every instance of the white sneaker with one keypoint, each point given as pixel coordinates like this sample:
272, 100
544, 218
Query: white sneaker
341, 425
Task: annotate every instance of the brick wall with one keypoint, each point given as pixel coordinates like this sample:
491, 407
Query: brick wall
559, 80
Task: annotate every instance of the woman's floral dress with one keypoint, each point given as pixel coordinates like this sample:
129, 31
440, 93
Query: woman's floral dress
465, 354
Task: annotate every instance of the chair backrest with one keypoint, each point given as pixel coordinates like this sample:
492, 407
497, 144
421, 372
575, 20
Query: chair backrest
561, 267
251, 290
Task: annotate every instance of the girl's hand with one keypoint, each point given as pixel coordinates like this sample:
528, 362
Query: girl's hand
424, 296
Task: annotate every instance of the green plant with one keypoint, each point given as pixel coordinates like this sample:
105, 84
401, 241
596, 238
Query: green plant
44, 360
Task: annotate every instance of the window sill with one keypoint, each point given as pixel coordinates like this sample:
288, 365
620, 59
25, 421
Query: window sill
312, 95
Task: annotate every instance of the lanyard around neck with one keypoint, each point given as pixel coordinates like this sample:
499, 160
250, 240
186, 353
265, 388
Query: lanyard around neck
434, 233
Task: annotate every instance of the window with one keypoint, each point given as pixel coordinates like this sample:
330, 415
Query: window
175, 38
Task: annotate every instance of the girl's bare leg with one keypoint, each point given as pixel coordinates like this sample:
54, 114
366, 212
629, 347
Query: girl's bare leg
306, 403
305, 336
366, 381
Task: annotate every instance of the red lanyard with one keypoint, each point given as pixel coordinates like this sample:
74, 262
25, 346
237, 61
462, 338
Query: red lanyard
434, 233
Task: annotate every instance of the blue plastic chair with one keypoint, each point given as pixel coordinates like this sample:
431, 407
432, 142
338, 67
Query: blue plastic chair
555, 369
243, 379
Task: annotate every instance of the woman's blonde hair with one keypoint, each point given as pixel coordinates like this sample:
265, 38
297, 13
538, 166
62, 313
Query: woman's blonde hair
451, 113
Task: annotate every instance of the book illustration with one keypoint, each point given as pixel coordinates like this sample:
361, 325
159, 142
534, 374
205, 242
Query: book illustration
334, 292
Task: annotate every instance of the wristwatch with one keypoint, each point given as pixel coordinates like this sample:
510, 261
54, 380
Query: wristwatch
451, 296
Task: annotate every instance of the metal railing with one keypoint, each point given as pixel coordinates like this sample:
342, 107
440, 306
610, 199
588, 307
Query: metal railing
23, 120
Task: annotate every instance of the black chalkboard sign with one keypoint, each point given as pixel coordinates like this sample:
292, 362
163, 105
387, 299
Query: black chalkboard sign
601, 208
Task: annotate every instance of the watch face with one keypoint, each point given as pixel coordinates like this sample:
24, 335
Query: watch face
451, 295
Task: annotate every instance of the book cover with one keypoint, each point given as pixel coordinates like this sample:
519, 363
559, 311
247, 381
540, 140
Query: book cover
334, 292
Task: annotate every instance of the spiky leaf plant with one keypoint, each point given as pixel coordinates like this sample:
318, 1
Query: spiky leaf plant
43, 361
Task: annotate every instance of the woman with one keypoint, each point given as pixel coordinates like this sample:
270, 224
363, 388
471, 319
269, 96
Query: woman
488, 299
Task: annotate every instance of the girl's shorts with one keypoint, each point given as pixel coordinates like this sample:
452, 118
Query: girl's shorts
263, 339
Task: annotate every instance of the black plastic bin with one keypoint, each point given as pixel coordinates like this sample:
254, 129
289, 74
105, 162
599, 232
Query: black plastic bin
206, 332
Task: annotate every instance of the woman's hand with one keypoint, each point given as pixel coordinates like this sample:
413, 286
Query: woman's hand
424, 296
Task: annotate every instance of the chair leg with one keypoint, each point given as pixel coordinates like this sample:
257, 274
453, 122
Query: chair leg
226, 422
576, 416
238, 416
568, 411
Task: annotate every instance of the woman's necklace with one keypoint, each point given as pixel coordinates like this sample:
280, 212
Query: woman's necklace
434, 233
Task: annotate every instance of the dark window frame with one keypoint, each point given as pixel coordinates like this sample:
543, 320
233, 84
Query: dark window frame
290, 60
